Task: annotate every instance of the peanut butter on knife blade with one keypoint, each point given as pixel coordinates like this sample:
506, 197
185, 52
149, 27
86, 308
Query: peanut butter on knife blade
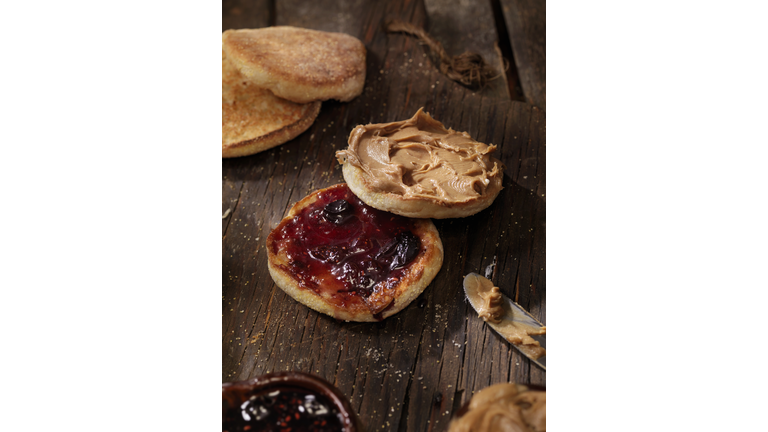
502, 315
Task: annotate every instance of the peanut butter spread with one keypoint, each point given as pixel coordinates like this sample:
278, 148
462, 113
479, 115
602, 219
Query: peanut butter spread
420, 159
504, 408
491, 307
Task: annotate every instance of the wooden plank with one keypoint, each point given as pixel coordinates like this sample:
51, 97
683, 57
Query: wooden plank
526, 23
238, 14
462, 26
343, 16
413, 370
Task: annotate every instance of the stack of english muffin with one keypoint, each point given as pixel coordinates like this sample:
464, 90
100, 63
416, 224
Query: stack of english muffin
274, 80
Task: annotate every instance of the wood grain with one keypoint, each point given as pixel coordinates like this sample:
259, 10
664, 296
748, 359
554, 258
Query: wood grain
526, 23
413, 370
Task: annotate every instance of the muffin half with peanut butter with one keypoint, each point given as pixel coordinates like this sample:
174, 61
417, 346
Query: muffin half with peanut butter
418, 168
506, 407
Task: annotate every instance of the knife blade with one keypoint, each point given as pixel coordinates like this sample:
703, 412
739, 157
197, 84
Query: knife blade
515, 325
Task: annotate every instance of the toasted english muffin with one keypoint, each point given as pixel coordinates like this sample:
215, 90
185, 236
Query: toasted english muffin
418, 168
340, 257
253, 119
298, 64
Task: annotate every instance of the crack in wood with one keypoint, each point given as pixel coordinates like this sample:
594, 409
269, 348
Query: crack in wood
409, 386
232, 211
507, 53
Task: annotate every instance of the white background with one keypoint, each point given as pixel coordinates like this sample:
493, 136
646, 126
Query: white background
110, 176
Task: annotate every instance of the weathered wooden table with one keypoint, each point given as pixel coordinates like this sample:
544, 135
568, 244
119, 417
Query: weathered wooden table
409, 372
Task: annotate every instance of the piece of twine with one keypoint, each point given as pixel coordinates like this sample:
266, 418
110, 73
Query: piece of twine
469, 68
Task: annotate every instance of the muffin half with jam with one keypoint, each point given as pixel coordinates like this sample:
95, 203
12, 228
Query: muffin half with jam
343, 258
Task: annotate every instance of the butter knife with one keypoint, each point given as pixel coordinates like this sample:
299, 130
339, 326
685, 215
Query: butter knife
513, 323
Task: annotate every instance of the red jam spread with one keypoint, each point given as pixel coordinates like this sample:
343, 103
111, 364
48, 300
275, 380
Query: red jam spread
344, 250
282, 408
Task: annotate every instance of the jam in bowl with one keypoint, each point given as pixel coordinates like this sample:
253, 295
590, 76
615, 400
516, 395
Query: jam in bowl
294, 401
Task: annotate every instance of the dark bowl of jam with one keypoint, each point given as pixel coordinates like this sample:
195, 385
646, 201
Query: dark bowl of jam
286, 401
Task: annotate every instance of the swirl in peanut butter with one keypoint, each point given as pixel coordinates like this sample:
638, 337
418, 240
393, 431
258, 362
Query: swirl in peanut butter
504, 408
420, 159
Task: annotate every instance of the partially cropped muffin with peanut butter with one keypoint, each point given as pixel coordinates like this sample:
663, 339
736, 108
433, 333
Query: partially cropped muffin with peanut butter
418, 168
506, 407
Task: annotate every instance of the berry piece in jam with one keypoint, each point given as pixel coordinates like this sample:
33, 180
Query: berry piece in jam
400, 251
338, 211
